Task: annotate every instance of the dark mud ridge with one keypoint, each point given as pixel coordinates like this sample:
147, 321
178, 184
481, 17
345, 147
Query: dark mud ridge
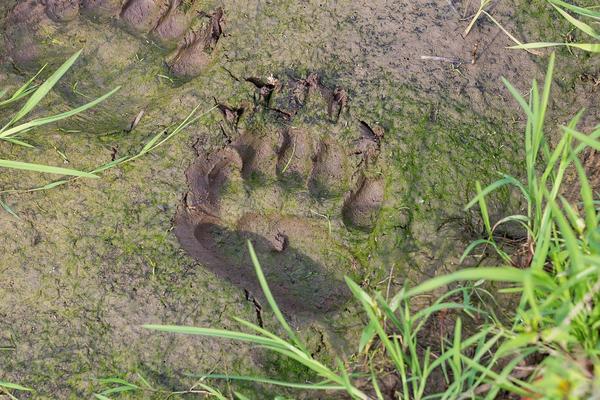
187, 35
290, 154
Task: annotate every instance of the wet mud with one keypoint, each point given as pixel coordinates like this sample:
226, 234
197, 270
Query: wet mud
177, 24
239, 192
345, 140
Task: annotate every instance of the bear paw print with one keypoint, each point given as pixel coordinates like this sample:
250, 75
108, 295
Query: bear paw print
187, 35
293, 181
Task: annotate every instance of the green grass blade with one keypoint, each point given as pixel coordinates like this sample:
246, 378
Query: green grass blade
517, 96
7, 208
15, 386
368, 304
591, 47
269, 296
507, 33
568, 235
587, 12
151, 143
27, 85
219, 333
54, 118
345, 378
488, 189
240, 396
19, 142
44, 168
262, 331
591, 220
456, 348
584, 139
145, 381
484, 210
376, 385
495, 274
25, 90
310, 363
18, 97
582, 146
572, 215
44, 88
523, 388
119, 389
275, 382
504, 376
117, 381
214, 392
536, 45
366, 336
545, 98
582, 26
467, 343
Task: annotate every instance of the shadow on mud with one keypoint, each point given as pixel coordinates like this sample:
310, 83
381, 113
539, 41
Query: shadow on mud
299, 284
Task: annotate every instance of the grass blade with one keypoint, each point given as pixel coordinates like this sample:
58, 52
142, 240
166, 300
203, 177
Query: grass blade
591, 47
507, 33
44, 88
210, 332
587, 196
214, 392
19, 143
23, 91
582, 26
497, 274
517, 96
15, 386
275, 382
45, 169
7, 208
54, 118
578, 10
267, 292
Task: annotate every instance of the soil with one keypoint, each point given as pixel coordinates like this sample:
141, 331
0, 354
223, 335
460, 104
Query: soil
345, 138
264, 187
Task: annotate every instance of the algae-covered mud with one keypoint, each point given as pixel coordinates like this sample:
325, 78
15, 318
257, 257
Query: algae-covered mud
285, 173
340, 137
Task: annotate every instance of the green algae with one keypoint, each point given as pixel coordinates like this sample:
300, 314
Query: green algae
88, 263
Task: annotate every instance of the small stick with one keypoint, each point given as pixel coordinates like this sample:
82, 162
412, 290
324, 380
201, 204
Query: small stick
444, 59
136, 121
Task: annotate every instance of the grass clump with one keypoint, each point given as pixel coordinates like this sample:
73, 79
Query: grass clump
13, 130
547, 348
579, 24
566, 11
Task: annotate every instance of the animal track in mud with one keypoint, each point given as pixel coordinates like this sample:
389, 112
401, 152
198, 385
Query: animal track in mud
176, 25
265, 185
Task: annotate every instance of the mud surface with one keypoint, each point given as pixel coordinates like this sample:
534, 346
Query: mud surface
265, 186
345, 140
173, 23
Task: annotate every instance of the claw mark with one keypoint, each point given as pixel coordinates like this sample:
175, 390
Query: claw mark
265, 88
232, 115
339, 101
257, 307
